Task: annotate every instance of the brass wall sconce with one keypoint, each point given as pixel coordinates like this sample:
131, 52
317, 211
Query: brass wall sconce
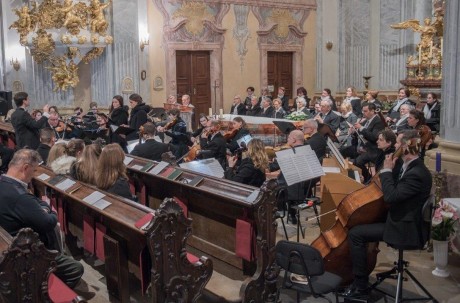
144, 43
16, 64
329, 45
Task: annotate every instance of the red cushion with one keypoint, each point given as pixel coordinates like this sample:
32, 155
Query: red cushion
58, 291
192, 258
144, 220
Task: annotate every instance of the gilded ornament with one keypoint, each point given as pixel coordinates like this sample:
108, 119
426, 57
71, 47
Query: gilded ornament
98, 24
65, 39
92, 54
43, 46
73, 52
74, 16
195, 13
283, 18
81, 39
95, 39
108, 39
49, 15
63, 75
25, 23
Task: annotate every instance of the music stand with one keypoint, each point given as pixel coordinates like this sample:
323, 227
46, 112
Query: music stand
325, 130
121, 130
284, 126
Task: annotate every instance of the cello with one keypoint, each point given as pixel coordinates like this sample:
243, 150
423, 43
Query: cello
363, 206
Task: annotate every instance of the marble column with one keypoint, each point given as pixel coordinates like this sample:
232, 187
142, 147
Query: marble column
449, 145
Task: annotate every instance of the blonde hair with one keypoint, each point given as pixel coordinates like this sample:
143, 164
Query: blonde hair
256, 151
346, 106
58, 150
110, 166
75, 146
84, 167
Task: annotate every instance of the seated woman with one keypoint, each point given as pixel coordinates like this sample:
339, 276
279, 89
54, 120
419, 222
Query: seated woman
238, 131
83, 169
353, 99
203, 125
432, 111
251, 171
111, 171
62, 156
401, 124
302, 107
347, 117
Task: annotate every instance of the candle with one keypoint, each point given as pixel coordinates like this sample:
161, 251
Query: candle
210, 112
441, 47
221, 113
438, 162
431, 49
419, 55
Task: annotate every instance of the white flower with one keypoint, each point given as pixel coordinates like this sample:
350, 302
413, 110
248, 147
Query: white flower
447, 214
436, 221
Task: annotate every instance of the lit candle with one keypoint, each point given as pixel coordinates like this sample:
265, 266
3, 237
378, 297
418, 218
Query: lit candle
438, 162
221, 113
210, 112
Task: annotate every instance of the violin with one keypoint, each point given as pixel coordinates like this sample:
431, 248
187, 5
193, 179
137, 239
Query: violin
424, 131
229, 135
62, 126
171, 124
141, 133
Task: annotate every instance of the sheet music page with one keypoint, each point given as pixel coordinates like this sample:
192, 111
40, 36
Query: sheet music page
158, 168
127, 160
210, 167
65, 185
94, 197
43, 177
300, 166
131, 145
336, 152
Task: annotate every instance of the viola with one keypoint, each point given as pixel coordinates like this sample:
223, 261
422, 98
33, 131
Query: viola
171, 124
363, 206
195, 148
229, 135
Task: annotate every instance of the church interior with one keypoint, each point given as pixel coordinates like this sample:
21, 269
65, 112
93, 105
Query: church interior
79, 54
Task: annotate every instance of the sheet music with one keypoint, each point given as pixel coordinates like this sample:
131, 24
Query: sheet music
210, 167
127, 160
336, 152
65, 185
94, 197
131, 145
244, 139
158, 168
357, 178
43, 177
298, 166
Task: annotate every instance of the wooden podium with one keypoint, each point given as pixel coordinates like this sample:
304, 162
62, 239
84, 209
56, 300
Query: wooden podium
334, 187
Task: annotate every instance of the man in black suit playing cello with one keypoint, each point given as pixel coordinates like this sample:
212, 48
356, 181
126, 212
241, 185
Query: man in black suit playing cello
405, 190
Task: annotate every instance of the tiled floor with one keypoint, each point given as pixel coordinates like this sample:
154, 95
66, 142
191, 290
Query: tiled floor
421, 264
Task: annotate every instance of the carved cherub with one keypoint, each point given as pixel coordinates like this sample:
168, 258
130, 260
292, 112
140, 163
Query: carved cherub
98, 22
72, 22
25, 24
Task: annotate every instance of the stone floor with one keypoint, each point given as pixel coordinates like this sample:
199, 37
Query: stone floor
421, 264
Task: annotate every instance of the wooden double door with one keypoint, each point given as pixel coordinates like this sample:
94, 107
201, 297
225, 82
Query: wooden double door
279, 72
193, 78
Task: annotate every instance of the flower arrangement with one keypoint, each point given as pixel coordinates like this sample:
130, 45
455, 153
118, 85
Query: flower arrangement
296, 116
443, 222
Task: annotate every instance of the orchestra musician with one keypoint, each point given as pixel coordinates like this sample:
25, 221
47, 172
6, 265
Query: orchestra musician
405, 196
365, 152
316, 140
403, 98
416, 120
103, 130
238, 108
328, 116
213, 144
348, 117
203, 125
58, 126
255, 109
267, 108
151, 148
138, 116
118, 113
177, 130
386, 144
25, 127
238, 131
251, 170
432, 111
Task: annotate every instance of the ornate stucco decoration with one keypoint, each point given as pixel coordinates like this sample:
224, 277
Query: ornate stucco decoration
241, 31
280, 26
60, 34
194, 14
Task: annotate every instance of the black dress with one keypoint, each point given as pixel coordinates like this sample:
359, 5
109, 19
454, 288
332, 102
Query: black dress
137, 119
246, 173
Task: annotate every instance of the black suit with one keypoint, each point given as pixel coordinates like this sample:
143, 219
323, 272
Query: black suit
402, 227
433, 121
44, 150
266, 112
393, 113
254, 111
285, 103
240, 109
318, 144
214, 147
150, 149
331, 119
279, 114
26, 128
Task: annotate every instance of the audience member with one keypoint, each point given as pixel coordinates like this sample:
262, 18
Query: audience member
151, 148
47, 139
84, 168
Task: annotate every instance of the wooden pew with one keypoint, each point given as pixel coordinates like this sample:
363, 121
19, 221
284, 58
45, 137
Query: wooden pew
7, 135
154, 252
215, 205
26, 268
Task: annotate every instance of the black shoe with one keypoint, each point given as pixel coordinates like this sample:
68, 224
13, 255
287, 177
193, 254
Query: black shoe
354, 292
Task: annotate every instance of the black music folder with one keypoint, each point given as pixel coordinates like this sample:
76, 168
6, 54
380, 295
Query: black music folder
121, 130
284, 126
326, 130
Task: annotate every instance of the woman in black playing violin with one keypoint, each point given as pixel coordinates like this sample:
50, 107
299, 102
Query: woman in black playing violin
239, 131
177, 130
